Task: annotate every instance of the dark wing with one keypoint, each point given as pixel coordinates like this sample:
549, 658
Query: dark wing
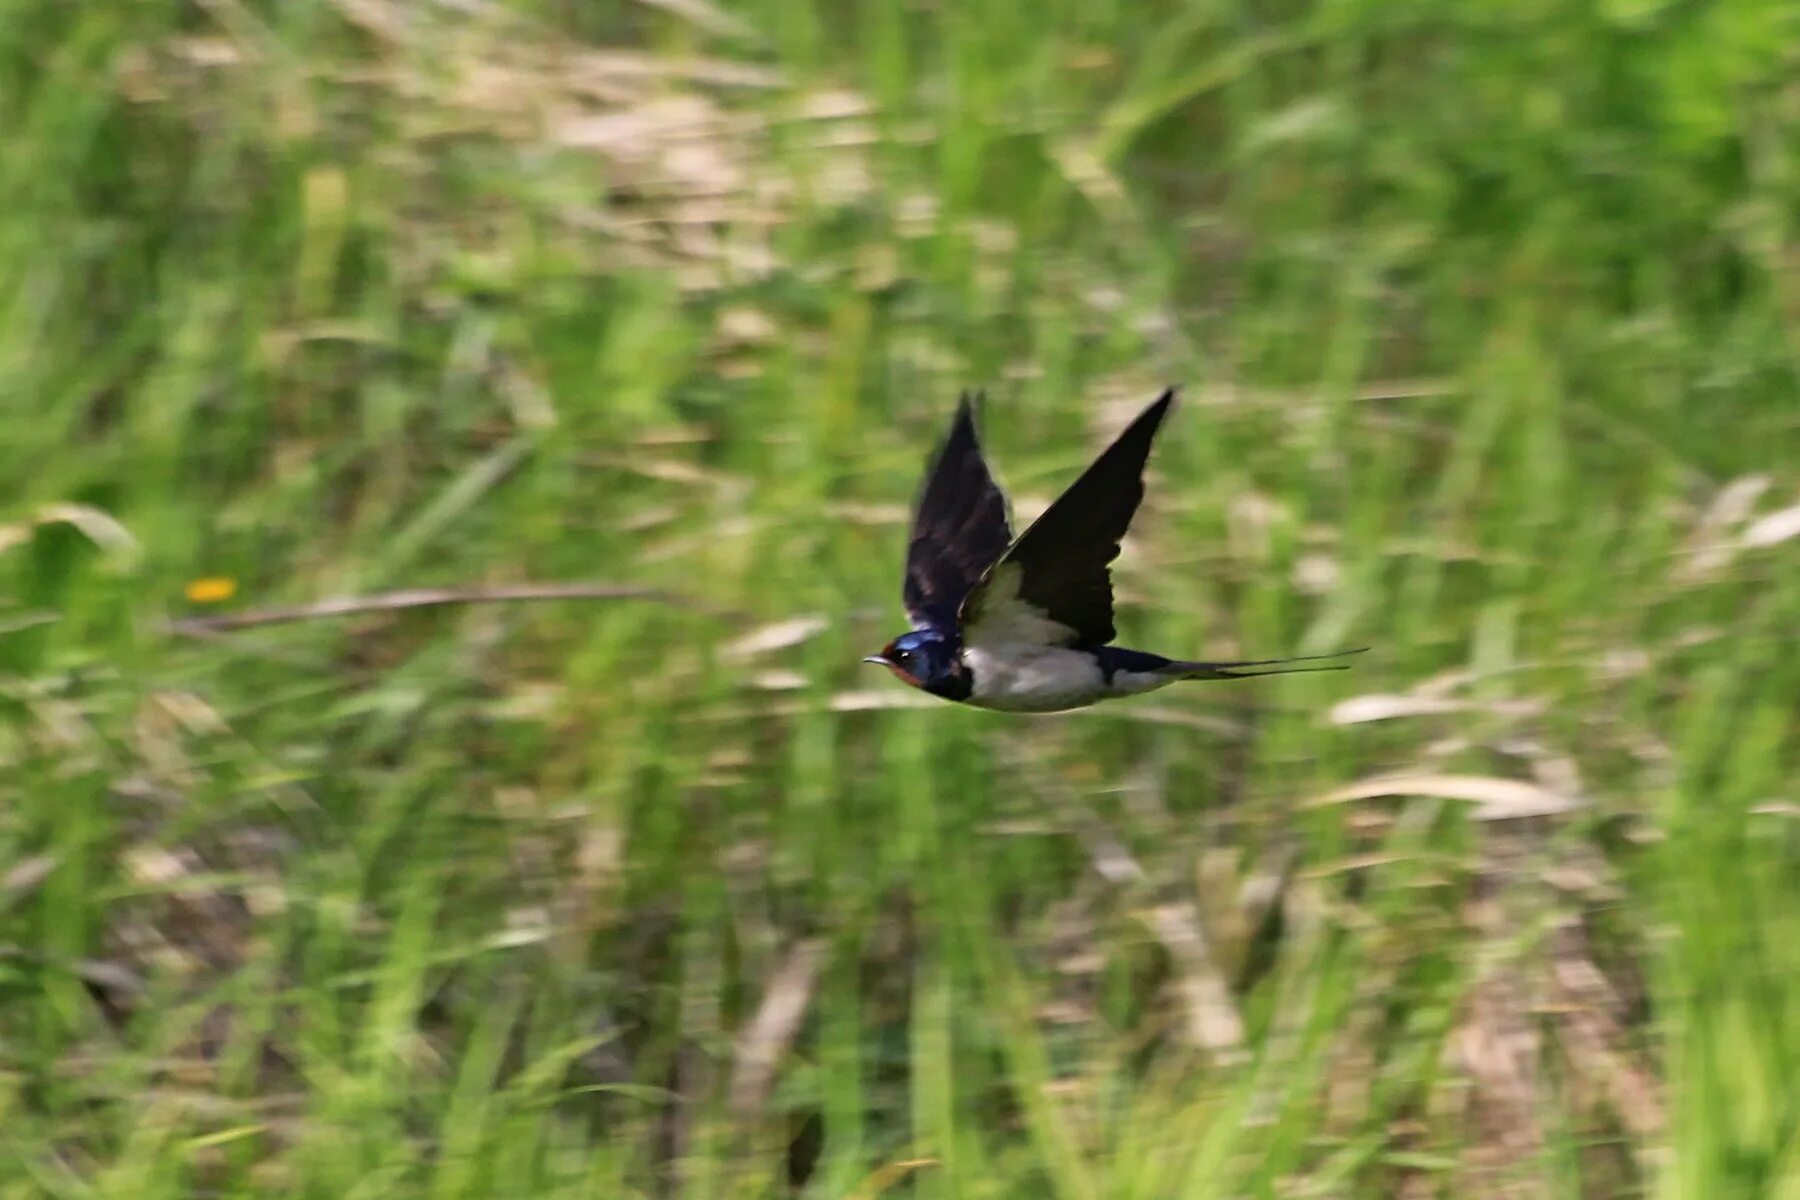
1053, 586
959, 527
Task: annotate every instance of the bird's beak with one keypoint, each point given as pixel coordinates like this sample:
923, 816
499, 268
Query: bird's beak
876, 659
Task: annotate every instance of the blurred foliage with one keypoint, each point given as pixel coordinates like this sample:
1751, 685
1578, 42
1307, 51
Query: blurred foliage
1485, 320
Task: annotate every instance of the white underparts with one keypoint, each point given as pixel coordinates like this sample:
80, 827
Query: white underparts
1037, 679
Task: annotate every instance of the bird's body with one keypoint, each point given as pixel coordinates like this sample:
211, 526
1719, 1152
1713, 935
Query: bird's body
1041, 679
1026, 625
1033, 679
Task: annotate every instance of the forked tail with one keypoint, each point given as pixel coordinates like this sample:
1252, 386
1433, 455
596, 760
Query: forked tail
1279, 666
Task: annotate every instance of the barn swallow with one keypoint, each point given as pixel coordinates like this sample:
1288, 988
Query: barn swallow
1026, 625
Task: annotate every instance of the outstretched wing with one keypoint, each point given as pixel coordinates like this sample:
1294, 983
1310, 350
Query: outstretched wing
959, 527
1053, 586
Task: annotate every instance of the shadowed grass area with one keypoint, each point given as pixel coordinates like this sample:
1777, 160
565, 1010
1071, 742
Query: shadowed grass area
1484, 320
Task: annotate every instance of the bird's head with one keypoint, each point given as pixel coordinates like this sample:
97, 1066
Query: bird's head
924, 658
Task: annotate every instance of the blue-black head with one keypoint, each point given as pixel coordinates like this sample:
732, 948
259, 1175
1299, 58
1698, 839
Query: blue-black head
927, 659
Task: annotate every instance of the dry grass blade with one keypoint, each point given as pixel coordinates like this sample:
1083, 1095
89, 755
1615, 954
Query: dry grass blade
1773, 528
863, 700
1494, 799
100, 528
1213, 1023
883, 1178
25, 875
1358, 710
771, 1030
349, 606
768, 638
1713, 543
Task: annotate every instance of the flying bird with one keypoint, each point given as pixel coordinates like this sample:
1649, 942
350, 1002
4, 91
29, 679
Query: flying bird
1026, 625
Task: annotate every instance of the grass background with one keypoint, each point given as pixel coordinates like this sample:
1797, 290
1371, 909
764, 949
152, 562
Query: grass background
1485, 319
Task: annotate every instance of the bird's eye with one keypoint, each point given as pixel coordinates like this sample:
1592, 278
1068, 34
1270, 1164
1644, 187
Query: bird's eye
903, 657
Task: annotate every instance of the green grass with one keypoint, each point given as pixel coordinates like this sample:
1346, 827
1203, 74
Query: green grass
1485, 318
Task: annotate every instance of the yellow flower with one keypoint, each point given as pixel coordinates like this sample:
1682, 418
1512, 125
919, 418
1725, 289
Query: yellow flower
212, 589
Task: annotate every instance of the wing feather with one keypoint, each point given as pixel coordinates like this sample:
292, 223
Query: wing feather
959, 527
1053, 586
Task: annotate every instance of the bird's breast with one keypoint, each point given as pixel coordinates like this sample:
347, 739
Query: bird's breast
1033, 678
